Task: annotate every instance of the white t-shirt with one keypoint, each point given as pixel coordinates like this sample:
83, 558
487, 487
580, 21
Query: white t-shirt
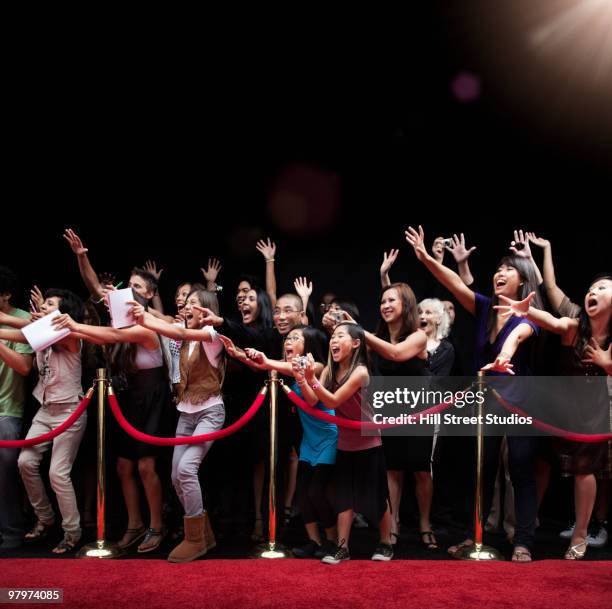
213, 350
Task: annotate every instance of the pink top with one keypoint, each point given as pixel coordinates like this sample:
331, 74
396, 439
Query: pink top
352, 439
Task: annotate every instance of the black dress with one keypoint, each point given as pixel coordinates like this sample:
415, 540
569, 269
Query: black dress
579, 458
405, 453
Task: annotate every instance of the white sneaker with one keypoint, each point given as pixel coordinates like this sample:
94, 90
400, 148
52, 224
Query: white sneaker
600, 539
567, 534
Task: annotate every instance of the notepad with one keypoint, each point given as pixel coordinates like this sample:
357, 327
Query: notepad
120, 310
42, 333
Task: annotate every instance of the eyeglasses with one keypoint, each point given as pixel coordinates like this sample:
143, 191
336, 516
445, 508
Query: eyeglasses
286, 311
294, 338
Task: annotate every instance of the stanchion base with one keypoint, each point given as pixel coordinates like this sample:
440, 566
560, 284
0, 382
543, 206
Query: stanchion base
478, 551
267, 550
100, 549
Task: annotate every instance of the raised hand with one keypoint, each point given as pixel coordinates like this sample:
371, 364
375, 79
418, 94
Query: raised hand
268, 250
388, 261
518, 308
75, 243
303, 288
212, 270
520, 245
458, 249
417, 240
594, 354
539, 241
36, 299
151, 267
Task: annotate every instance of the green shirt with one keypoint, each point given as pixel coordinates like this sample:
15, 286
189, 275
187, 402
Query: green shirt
12, 384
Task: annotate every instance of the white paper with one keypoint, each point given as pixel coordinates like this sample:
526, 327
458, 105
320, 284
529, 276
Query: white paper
42, 333
120, 311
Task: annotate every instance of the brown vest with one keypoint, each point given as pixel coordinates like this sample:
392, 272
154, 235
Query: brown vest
200, 380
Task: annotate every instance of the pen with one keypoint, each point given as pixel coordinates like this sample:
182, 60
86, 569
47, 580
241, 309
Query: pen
117, 286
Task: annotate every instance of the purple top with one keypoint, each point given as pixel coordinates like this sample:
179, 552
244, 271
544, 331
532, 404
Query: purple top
486, 352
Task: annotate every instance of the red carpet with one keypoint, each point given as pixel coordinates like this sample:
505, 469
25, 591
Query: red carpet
294, 584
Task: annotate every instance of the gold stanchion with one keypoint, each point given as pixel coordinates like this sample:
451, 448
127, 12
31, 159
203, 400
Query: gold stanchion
272, 549
101, 548
478, 551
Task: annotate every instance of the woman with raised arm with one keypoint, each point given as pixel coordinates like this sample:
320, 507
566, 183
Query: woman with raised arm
502, 348
201, 411
141, 381
586, 350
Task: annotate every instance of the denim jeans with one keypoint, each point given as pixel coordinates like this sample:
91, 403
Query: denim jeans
187, 458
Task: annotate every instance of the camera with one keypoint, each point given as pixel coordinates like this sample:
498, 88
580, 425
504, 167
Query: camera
447, 242
338, 316
302, 361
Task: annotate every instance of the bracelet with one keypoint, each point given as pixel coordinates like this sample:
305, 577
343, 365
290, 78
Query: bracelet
269, 259
315, 385
302, 382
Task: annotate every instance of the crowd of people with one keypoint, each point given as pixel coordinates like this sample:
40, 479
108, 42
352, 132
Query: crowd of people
197, 368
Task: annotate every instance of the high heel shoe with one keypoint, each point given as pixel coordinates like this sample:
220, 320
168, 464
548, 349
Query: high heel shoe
573, 553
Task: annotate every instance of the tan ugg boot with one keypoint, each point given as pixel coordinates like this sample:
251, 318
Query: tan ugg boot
209, 536
194, 544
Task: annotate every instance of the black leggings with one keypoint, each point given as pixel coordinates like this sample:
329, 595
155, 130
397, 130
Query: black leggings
313, 493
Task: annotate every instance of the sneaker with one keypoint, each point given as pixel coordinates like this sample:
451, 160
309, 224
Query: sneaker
567, 534
597, 536
359, 522
384, 551
338, 555
309, 550
326, 548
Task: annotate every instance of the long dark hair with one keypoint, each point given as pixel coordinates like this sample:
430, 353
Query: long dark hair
264, 308
585, 332
410, 312
529, 284
359, 358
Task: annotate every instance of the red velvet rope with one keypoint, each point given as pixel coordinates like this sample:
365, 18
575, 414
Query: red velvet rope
54, 432
351, 424
215, 435
551, 429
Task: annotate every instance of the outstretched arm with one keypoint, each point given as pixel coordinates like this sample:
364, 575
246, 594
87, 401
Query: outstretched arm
447, 277
388, 261
89, 276
410, 347
502, 362
268, 251
21, 363
175, 331
554, 293
543, 319
461, 254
